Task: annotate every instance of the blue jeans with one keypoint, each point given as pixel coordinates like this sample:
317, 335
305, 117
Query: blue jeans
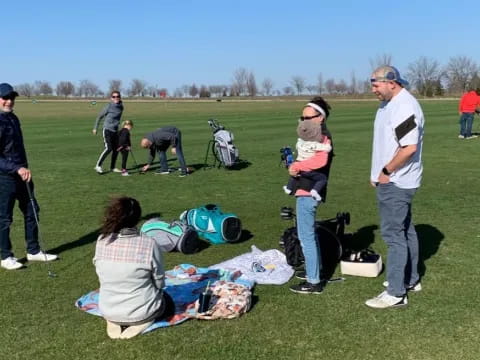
162, 155
466, 123
306, 211
13, 188
395, 206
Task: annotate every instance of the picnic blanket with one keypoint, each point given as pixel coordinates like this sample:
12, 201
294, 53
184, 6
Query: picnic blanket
184, 284
262, 267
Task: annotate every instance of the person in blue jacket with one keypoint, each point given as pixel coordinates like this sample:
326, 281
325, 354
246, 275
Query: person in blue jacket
15, 176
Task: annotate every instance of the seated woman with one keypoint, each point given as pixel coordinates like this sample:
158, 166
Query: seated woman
129, 266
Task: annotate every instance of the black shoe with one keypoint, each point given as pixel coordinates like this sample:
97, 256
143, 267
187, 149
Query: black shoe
302, 275
307, 288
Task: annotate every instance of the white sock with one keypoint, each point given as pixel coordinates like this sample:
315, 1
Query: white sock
315, 195
287, 190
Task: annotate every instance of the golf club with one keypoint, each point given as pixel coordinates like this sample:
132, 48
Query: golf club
136, 164
50, 272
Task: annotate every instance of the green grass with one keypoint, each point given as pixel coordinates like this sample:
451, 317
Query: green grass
38, 318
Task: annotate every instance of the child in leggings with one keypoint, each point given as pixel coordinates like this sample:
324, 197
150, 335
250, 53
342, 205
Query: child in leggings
124, 144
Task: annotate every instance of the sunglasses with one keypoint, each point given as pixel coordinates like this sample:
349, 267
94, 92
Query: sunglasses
302, 118
8, 97
115, 96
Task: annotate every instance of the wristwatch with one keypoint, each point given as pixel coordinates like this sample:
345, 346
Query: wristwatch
386, 172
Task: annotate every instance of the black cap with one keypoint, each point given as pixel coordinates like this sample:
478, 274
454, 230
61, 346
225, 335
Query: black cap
7, 89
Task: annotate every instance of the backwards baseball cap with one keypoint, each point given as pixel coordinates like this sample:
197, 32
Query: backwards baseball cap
7, 89
388, 73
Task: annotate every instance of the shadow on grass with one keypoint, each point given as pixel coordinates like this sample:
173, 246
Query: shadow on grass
429, 238
91, 237
360, 239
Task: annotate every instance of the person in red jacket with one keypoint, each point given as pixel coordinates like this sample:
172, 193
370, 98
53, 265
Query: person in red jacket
469, 103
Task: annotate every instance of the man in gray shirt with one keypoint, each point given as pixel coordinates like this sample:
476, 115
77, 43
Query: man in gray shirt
159, 141
111, 115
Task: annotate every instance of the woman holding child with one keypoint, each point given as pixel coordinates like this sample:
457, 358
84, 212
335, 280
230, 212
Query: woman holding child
309, 172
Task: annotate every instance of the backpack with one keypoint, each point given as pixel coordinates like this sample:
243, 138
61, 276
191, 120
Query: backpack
330, 232
213, 225
172, 236
223, 149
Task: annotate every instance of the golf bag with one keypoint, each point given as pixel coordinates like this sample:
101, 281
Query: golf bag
330, 234
222, 147
172, 236
213, 225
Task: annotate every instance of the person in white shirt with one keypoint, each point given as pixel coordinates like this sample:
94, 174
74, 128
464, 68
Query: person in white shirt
396, 174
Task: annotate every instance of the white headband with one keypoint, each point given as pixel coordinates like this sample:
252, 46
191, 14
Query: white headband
318, 108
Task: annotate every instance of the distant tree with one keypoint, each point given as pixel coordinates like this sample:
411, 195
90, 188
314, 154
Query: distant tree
298, 83
330, 86
151, 91
137, 87
341, 87
25, 89
178, 93
311, 89
185, 90
193, 90
234, 91
240, 77
203, 92
65, 88
216, 90
353, 87
251, 84
42, 88
87, 88
320, 84
475, 81
459, 73
380, 60
267, 85
423, 74
288, 90
114, 85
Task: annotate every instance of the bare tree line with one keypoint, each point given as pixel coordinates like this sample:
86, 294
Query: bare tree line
426, 75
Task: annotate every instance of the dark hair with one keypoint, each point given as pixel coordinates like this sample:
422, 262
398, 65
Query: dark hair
121, 212
115, 92
318, 100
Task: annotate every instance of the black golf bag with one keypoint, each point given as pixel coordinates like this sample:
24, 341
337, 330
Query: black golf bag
221, 146
331, 234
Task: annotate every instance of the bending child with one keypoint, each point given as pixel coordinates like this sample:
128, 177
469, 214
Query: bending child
124, 144
310, 141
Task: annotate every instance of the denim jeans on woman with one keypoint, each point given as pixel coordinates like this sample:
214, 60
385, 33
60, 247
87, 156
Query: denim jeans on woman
395, 205
306, 212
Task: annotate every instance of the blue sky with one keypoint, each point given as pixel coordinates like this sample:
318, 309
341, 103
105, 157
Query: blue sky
171, 43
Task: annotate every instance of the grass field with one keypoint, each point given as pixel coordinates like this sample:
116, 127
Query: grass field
38, 318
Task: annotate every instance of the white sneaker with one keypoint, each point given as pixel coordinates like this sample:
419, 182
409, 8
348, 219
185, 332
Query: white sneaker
98, 169
11, 263
413, 288
287, 190
41, 256
117, 170
384, 300
315, 195
461, 137
125, 173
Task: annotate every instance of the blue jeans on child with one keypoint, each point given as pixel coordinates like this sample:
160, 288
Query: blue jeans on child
466, 123
306, 212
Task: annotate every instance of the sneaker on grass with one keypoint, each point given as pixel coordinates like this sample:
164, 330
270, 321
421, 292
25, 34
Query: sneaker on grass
98, 169
125, 172
162, 172
302, 275
384, 300
11, 263
41, 256
116, 170
413, 288
307, 288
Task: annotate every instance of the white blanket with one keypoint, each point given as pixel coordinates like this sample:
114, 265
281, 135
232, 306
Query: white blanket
263, 267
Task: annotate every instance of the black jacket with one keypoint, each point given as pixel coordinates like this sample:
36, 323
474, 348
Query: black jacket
12, 149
